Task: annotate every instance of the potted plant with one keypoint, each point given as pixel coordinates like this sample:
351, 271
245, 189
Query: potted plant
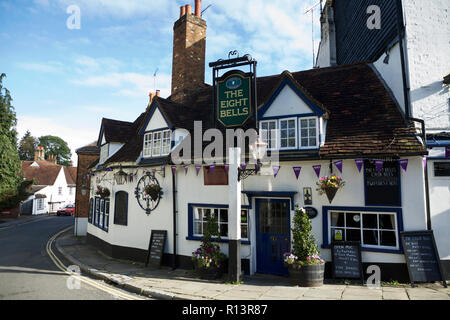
330, 186
103, 192
207, 259
306, 267
153, 190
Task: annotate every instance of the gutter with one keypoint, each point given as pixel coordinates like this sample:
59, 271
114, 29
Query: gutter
174, 203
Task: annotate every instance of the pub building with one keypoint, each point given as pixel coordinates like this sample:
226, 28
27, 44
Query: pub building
338, 120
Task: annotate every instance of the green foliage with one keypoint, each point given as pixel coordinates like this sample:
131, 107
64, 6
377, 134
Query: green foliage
27, 146
11, 198
58, 147
10, 166
303, 241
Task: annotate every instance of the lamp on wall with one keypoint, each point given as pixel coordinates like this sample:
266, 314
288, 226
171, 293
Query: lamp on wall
120, 176
257, 151
84, 189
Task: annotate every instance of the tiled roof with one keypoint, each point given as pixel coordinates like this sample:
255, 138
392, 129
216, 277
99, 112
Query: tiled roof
45, 174
364, 119
116, 131
89, 149
71, 175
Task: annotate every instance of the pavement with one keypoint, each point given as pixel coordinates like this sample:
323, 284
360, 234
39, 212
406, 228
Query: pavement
180, 284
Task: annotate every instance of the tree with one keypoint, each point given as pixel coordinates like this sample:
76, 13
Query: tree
27, 146
10, 166
58, 147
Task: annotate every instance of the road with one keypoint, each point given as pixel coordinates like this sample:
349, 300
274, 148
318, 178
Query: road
30, 266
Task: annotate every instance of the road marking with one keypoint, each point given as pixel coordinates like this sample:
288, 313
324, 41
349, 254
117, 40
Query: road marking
84, 279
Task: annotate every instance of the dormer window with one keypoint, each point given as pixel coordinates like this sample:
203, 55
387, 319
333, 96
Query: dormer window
157, 143
308, 132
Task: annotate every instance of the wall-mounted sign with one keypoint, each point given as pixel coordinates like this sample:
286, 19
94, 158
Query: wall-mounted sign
382, 185
307, 196
234, 98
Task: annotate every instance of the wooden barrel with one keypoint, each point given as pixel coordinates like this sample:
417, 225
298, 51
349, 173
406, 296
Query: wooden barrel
308, 276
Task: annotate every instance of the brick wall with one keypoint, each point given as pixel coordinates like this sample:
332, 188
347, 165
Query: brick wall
82, 202
188, 64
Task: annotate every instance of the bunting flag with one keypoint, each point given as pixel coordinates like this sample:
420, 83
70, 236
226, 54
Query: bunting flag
297, 171
243, 166
211, 168
276, 169
186, 168
359, 164
338, 165
447, 152
174, 169
425, 162
153, 172
108, 169
197, 169
404, 164
379, 165
317, 169
227, 168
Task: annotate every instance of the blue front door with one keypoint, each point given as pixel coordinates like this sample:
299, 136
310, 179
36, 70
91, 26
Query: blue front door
272, 235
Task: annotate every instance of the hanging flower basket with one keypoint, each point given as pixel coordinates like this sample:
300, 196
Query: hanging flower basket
102, 192
153, 190
330, 186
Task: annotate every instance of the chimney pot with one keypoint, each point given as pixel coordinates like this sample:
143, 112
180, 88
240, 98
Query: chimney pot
151, 95
182, 11
198, 8
158, 93
188, 9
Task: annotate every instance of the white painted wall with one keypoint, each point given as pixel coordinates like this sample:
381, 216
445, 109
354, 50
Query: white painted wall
62, 199
287, 103
191, 190
80, 226
440, 209
156, 122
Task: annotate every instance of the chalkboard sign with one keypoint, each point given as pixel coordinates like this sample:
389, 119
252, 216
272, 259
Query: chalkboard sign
422, 258
347, 262
156, 248
382, 188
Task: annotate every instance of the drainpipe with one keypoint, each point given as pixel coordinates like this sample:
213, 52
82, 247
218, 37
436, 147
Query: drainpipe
174, 203
401, 36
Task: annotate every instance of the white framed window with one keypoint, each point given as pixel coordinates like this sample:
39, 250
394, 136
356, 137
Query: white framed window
148, 145
288, 133
104, 152
220, 215
157, 143
268, 131
59, 191
40, 204
372, 229
309, 132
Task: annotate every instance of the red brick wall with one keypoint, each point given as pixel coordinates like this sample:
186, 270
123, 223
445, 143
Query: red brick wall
188, 64
82, 202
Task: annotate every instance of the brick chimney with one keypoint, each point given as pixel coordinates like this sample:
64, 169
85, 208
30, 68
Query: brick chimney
189, 44
39, 153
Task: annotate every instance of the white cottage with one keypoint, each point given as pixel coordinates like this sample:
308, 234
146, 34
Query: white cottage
338, 120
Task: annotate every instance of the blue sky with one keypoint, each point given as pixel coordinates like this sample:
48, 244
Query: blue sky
63, 81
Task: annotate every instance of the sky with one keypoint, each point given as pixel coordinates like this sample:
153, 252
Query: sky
63, 80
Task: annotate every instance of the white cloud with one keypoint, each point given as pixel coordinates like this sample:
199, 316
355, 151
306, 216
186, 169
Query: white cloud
51, 67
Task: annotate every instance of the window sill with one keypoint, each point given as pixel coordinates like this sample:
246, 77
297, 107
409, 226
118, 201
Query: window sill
195, 238
366, 249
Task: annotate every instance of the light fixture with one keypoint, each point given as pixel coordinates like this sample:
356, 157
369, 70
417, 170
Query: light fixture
84, 189
257, 151
120, 176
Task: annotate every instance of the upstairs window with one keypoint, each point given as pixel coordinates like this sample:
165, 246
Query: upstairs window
157, 143
269, 133
288, 134
308, 132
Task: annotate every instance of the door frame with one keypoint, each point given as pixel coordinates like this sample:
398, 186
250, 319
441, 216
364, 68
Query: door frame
257, 221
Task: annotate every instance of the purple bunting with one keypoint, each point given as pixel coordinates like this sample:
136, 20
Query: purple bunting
211, 168
404, 164
174, 169
379, 165
317, 169
108, 169
186, 168
243, 166
276, 169
359, 164
153, 172
447, 152
424, 162
227, 168
338, 165
297, 171
197, 169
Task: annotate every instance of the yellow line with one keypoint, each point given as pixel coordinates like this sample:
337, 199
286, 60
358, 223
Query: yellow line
84, 279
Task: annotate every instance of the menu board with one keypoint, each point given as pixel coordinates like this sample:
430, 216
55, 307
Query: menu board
422, 258
347, 262
156, 248
382, 188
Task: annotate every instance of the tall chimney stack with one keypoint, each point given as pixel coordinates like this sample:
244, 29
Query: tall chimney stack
189, 45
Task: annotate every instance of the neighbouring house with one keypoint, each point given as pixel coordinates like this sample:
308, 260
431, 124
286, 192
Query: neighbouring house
338, 120
410, 51
87, 155
54, 185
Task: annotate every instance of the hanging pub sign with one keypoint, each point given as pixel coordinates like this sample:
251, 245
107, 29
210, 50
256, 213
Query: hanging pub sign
234, 91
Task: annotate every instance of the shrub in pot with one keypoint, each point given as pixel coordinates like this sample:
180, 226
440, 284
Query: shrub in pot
306, 267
